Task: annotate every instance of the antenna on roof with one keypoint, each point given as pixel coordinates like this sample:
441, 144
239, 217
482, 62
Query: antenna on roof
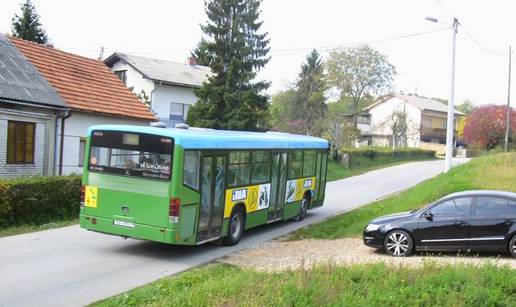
101, 55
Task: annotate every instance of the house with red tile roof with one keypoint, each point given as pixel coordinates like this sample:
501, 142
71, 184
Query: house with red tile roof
168, 86
80, 92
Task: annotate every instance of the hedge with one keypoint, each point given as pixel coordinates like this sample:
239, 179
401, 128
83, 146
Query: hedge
39, 200
370, 156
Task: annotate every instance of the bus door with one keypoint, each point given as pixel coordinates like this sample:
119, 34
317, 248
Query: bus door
211, 214
278, 185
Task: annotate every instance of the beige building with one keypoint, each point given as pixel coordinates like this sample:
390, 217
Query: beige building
405, 120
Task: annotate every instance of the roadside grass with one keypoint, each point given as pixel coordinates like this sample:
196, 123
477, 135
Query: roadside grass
358, 285
496, 172
16, 230
338, 171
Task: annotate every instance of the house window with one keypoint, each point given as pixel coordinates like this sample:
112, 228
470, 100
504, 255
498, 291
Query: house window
121, 74
82, 148
20, 142
178, 111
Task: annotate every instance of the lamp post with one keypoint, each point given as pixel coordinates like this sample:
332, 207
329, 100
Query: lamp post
451, 107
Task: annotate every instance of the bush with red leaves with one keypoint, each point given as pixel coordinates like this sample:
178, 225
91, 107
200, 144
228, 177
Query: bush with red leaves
485, 126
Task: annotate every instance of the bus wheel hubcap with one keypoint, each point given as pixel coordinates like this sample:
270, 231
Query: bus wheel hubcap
303, 207
235, 226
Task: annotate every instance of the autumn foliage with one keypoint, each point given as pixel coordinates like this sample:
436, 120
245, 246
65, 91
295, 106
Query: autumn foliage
485, 126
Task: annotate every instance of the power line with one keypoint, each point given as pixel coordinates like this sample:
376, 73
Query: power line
445, 9
480, 44
352, 44
470, 35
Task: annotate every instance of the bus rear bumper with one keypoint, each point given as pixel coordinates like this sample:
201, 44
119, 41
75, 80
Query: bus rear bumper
139, 231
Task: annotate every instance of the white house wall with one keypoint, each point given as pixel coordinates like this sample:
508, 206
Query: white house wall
134, 78
381, 116
164, 95
76, 127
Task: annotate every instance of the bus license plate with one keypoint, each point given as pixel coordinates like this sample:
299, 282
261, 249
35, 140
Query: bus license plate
123, 223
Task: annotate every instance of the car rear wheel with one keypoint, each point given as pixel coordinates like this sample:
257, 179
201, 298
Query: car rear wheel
398, 243
512, 246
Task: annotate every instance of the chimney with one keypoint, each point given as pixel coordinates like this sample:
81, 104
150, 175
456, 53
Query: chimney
192, 61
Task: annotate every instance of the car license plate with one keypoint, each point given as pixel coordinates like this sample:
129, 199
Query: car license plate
123, 223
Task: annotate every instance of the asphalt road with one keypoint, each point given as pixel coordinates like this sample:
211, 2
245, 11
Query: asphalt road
71, 267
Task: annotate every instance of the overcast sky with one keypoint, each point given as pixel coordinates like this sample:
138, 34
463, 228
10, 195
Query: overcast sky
170, 29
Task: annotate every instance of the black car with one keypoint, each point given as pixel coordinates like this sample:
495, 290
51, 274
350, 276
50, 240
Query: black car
465, 221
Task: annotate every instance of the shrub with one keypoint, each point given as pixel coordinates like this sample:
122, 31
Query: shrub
370, 156
39, 200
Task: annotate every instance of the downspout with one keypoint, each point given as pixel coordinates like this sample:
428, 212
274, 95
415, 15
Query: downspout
67, 114
156, 86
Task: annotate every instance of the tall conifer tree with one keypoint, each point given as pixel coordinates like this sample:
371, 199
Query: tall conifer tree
27, 26
231, 98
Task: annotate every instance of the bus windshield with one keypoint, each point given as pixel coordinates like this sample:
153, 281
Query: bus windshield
131, 154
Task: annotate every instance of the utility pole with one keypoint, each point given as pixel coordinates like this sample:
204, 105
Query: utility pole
508, 119
451, 105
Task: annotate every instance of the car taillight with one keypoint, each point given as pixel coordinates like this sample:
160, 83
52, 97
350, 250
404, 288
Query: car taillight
173, 209
83, 192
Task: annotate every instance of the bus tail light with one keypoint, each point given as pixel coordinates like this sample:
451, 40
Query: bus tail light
173, 210
83, 192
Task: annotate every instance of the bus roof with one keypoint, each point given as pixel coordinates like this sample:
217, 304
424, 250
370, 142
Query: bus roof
200, 138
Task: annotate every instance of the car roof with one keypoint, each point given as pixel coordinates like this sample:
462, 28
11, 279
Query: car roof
482, 193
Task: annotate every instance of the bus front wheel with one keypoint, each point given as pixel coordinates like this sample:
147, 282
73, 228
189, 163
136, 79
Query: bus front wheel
236, 227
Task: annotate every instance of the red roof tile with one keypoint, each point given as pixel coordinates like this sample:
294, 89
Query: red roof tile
85, 84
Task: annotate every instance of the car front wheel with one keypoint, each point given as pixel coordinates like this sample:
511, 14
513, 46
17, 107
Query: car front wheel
512, 246
398, 243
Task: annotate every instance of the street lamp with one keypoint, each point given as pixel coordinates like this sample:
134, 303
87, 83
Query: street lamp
451, 107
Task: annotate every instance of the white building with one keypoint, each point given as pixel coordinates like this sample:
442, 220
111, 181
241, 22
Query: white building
425, 121
168, 85
85, 93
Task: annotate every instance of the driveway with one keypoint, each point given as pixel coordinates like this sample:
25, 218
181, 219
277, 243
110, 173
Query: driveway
71, 267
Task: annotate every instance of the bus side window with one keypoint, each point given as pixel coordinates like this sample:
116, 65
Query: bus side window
191, 169
260, 167
239, 169
295, 164
309, 163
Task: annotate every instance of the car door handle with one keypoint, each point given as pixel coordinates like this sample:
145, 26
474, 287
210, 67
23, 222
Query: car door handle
462, 223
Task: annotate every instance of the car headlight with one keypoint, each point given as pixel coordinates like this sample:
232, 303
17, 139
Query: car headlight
372, 227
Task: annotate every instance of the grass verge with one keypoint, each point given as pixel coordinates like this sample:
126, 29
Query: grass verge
497, 172
338, 171
359, 285
16, 230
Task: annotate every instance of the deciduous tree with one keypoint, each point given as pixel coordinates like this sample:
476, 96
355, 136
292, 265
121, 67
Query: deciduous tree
358, 72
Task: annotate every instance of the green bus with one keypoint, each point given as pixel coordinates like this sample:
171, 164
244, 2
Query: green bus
191, 186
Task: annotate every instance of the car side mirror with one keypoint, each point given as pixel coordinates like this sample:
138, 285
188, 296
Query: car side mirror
429, 216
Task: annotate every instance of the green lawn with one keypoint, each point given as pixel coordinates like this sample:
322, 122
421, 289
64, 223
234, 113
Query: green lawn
337, 171
16, 230
497, 171
359, 285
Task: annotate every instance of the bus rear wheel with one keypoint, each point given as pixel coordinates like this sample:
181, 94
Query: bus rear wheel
235, 227
303, 209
